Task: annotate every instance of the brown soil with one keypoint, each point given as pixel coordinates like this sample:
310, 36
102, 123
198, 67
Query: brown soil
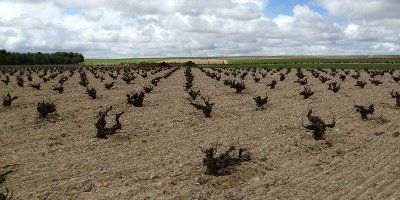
156, 154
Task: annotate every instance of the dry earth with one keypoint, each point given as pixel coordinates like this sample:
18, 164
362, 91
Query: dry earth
156, 154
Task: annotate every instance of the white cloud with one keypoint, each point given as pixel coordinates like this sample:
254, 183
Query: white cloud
377, 20
363, 9
351, 31
93, 15
131, 28
386, 47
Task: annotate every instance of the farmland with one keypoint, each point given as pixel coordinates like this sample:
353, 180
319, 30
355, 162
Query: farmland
300, 133
340, 62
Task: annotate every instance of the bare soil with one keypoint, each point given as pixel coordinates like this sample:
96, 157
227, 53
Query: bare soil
156, 154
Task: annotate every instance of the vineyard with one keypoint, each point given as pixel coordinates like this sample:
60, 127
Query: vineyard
180, 131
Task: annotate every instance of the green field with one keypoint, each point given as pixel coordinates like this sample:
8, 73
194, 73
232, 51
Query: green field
123, 60
371, 66
316, 60
340, 62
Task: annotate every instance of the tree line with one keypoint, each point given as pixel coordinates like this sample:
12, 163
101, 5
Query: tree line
58, 58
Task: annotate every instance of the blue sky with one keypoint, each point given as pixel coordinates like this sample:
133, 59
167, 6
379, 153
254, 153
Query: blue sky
282, 7
285, 7
71, 11
132, 28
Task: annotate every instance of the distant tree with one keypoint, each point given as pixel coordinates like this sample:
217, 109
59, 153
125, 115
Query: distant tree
13, 58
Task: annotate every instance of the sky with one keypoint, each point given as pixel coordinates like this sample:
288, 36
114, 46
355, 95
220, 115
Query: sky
187, 28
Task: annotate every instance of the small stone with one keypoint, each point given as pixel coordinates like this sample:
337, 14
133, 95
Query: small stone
88, 187
154, 176
160, 183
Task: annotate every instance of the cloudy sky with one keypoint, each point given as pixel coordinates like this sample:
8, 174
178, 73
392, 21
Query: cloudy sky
159, 28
